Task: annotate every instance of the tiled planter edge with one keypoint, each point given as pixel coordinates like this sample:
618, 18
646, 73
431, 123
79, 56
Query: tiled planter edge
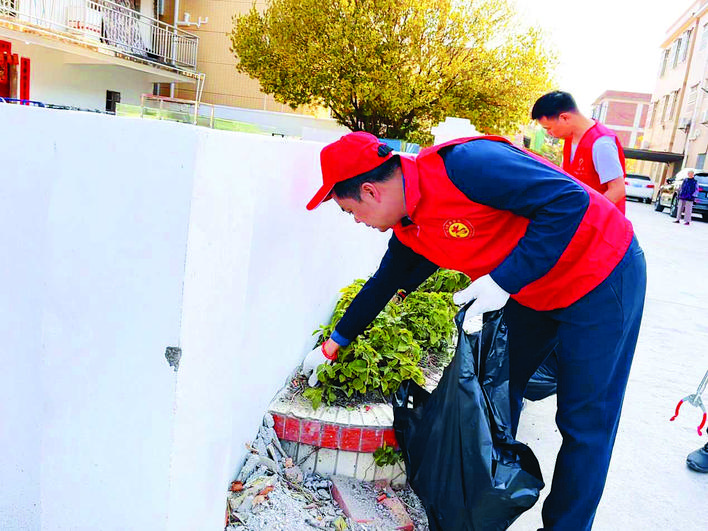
337, 440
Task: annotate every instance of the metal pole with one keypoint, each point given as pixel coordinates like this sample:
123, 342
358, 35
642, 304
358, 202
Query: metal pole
174, 36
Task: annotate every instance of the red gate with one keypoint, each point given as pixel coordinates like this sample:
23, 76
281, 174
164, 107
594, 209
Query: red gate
5, 64
14, 73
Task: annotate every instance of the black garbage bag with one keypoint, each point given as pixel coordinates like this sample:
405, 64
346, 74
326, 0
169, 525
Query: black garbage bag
543, 383
460, 457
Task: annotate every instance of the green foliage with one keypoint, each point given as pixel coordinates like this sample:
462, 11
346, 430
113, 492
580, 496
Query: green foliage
429, 316
445, 281
389, 350
394, 68
387, 455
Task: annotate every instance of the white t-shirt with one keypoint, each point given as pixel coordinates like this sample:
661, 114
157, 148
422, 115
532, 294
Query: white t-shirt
605, 158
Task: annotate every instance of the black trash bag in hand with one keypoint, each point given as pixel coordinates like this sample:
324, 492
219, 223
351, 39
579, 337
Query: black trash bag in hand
461, 460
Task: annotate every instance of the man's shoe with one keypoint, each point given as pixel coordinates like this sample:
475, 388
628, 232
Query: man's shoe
677, 221
687, 223
698, 460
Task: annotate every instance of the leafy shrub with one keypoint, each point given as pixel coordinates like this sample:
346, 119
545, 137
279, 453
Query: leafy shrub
445, 281
387, 455
390, 349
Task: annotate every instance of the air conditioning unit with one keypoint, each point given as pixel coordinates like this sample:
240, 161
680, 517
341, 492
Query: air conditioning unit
684, 124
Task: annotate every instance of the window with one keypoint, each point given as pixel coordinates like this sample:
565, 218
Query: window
111, 99
665, 108
603, 111
672, 104
664, 61
675, 46
683, 47
704, 37
691, 98
700, 161
599, 112
652, 113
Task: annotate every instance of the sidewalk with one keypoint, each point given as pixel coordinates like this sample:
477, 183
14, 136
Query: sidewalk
649, 486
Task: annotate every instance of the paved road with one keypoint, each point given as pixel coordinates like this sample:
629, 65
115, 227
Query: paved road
649, 486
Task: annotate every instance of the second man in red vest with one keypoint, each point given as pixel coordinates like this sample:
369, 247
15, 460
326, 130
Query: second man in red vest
592, 153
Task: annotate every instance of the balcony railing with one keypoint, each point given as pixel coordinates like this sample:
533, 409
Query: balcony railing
107, 23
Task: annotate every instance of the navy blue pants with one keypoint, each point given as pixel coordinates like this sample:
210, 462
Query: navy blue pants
595, 337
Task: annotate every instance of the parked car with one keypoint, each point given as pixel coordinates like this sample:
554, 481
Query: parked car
638, 187
668, 193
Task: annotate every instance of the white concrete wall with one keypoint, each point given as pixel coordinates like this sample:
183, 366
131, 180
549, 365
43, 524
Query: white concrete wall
24, 204
262, 274
122, 237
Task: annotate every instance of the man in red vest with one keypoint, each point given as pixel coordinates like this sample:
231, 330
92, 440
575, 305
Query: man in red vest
561, 260
591, 152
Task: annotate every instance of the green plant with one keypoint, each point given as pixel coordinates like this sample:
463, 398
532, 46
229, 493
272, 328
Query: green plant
429, 316
445, 281
389, 350
387, 455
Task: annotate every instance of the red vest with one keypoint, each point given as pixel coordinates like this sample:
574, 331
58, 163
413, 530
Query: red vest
456, 233
582, 167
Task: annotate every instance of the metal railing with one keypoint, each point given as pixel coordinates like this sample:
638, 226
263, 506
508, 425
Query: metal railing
110, 24
176, 109
31, 103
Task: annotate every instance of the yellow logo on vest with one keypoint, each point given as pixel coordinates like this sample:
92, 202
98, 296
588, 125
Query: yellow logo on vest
458, 229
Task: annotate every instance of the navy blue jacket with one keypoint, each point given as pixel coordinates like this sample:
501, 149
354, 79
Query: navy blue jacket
503, 177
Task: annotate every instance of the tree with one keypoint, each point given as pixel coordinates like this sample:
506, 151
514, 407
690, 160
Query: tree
394, 68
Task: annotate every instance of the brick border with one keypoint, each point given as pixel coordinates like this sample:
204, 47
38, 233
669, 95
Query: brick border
364, 439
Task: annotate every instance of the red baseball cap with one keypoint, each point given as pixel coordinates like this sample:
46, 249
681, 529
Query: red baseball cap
350, 156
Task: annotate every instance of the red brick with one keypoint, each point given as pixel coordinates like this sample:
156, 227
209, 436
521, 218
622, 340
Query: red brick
350, 439
310, 432
620, 113
398, 511
279, 426
347, 493
330, 436
624, 137
292, 429
389, 437
371, 440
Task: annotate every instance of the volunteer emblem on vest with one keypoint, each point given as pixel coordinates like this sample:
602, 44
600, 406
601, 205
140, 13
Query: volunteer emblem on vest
458, 229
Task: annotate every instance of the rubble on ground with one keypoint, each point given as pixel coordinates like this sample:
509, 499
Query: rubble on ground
272, 493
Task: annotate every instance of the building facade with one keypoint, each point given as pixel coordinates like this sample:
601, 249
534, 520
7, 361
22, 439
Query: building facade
625, 113
678, 114
90, 54
223, 84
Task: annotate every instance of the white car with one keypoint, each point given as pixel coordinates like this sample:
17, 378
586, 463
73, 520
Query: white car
638, 187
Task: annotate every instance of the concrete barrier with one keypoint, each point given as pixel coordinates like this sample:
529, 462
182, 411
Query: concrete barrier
121, 238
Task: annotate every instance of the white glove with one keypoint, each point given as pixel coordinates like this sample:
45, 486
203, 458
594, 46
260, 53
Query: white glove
312, 361
487, 296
